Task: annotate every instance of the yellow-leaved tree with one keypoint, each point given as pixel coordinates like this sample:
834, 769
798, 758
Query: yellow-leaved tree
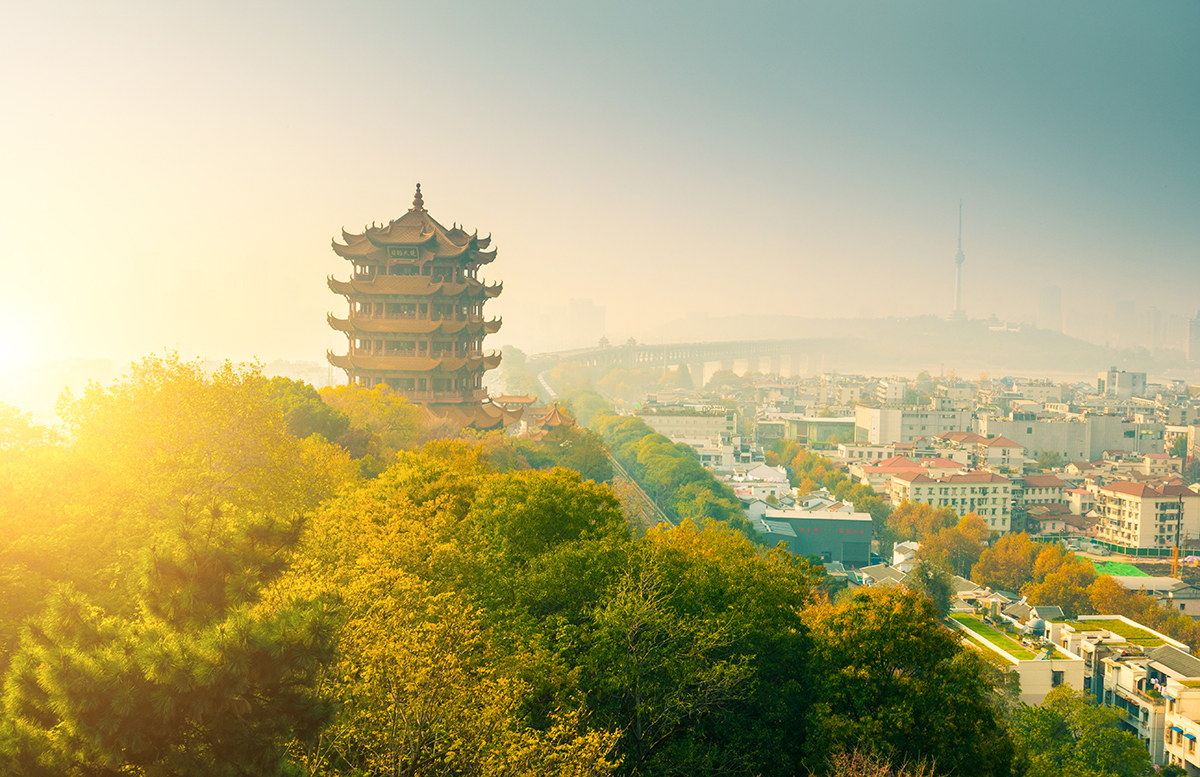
419, 684
79, 507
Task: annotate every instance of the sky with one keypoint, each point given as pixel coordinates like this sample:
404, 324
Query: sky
171, 174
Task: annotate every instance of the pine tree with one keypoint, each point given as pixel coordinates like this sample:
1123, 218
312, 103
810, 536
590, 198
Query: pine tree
204, 680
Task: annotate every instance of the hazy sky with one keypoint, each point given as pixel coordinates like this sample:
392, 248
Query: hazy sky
171, 174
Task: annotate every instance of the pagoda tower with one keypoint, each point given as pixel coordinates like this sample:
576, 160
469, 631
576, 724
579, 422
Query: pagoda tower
415, 319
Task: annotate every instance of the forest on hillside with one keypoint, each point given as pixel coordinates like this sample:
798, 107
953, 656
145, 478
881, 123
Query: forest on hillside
220, 574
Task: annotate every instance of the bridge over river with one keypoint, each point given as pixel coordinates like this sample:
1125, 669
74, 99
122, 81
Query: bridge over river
801, 357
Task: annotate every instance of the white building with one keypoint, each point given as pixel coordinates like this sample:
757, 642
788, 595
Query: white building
891, 392
1136, 516
882, 425
1079, 438
1118, 384
693, 427
986, 494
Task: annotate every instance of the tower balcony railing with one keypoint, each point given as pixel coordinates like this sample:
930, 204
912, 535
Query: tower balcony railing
460, 353
474, 318
446, 396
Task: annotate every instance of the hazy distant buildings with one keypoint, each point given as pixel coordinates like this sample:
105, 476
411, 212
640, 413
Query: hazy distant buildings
585, 323
1193, 338
958, 314
1050, 309
1075, 439
884, 425
1118, 384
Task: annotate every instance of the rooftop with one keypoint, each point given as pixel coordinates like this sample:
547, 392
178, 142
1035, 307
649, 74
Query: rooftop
1133, 634
1175, 661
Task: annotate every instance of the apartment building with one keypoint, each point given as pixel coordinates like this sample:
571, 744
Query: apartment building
1145, 520
1000, 452
882, 425
1134, 685
1118, 384
1078, 438
694, 427
1041, 489
984, 493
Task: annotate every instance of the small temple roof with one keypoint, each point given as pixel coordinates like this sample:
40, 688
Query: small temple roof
514, 399
415, 228
549, 416
475, 416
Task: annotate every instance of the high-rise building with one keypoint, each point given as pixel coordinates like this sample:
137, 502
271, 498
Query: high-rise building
958, 314
1119, 384
1193, 338
1050, 310
415, 317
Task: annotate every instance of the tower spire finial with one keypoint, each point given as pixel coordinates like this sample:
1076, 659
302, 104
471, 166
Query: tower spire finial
419, 204
959, 222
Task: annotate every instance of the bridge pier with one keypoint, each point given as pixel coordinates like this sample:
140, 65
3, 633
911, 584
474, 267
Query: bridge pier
697, 371
776, 365
799, 364
727, 364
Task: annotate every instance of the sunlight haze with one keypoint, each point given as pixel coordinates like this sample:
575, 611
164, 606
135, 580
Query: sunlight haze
173, 174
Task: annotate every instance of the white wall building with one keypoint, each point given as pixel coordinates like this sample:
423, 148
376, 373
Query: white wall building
882, 425
1136, 516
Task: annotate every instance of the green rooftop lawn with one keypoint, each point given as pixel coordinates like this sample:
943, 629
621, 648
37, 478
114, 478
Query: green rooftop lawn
1121, 629
1118, 568
997, 638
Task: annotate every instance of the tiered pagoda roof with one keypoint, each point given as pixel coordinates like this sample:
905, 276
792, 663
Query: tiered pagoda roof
415, 285
415, 228
415, 319
471, 326
416, 363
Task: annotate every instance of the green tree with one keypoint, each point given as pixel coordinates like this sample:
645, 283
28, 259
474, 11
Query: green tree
701, 658
896, 681
18, 431
422, 682
934, 583
1179, 447
81, 508
200, 681
1068, 734
305, 412
1051, 460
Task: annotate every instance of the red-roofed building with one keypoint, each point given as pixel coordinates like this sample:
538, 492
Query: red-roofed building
1160, 464
962, 439
984, 493
1042, 489
1143, 519
877, 475
1000, 452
